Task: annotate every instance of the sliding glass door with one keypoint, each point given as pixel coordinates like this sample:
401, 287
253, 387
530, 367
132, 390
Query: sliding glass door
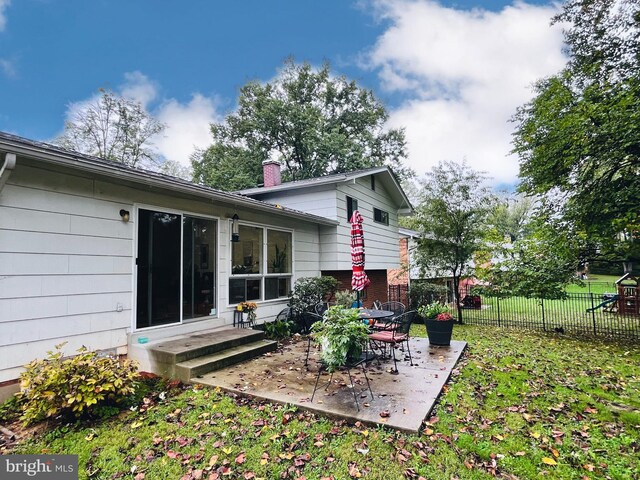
176, 268
158, 260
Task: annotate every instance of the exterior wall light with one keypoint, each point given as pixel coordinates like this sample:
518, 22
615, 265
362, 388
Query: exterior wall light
125, 215
235, 228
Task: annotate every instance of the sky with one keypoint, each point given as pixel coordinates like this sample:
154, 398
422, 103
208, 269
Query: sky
452, 74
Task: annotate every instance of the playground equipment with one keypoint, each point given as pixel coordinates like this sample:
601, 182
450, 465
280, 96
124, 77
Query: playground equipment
628, 294
626, 301
609, 303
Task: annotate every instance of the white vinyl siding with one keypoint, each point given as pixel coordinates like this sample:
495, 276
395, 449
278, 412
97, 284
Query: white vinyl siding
381, 241
317, 200
67, 260
330, 201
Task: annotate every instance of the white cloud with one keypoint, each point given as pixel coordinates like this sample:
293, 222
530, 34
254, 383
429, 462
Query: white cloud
187, 127
3, 18
139, 87
8, 68
464, 73
187, 124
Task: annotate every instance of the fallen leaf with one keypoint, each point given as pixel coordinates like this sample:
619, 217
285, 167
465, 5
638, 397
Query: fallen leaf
549, 461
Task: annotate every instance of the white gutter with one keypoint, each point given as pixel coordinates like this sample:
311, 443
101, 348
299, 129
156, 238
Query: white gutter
7, 168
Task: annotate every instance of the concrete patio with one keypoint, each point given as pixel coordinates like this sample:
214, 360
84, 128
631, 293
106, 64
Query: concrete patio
399, 401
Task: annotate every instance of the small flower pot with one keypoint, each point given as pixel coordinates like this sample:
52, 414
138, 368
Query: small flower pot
439, 332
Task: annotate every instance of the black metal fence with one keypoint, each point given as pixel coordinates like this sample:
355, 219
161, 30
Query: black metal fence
579, 314
399, 293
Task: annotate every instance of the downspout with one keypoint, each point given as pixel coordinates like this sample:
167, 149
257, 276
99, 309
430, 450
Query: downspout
7, 168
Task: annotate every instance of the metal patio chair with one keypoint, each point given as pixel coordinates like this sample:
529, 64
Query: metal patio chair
396, 336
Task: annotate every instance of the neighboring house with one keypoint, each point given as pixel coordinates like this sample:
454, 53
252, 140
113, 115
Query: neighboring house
374, 192
98, 254
399, 279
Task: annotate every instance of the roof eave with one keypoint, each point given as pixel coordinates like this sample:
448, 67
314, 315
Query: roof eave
76, 161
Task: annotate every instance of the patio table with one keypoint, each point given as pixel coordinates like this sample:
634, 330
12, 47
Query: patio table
379, 317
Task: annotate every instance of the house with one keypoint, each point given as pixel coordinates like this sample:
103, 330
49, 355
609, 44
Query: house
97, 254
400, 278
375, 192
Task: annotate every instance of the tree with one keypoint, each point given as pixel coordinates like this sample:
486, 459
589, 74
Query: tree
510, 218
579, 138
538, 264
451, 218
313, 123
113, 128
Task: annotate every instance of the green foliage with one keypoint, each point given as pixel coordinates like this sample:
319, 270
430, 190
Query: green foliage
451, 219
578, 139
10, 409
74, 386
312, 122
540, 265
309, 291
340, 334
422, 293
432, 310
345, 298
278, 329
112, 128
513, 399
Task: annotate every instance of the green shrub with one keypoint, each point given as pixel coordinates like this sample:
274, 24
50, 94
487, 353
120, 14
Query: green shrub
345, 298
423, 293
10, 409
75, 386
309, 291
277, 329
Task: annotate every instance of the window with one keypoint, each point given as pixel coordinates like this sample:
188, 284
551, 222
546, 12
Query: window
380, 216
246, 254
253, 273
352, 206
373, 182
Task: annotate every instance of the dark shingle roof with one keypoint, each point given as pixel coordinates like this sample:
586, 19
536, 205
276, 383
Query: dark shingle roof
55, 154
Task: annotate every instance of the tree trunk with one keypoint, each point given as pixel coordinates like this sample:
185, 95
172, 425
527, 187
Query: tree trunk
456, 297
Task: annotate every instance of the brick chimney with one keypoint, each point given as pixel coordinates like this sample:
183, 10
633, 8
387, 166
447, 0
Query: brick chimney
271, 173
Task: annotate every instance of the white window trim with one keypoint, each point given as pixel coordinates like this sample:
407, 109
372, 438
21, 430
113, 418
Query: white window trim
264, 275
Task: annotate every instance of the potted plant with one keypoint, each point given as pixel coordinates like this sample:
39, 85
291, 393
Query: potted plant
438, 322
341, 336
250, 309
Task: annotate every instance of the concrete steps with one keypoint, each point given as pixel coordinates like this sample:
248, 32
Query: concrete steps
196, 367
192, 355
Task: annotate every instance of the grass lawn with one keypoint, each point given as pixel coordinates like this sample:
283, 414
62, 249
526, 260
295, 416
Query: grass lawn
520, 405
595, 284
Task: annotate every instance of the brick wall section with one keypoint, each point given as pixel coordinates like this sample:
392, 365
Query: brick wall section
271, 173
400, 276
378, 290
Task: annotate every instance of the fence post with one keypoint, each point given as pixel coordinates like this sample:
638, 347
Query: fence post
544, 323
593, 313
498, 303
